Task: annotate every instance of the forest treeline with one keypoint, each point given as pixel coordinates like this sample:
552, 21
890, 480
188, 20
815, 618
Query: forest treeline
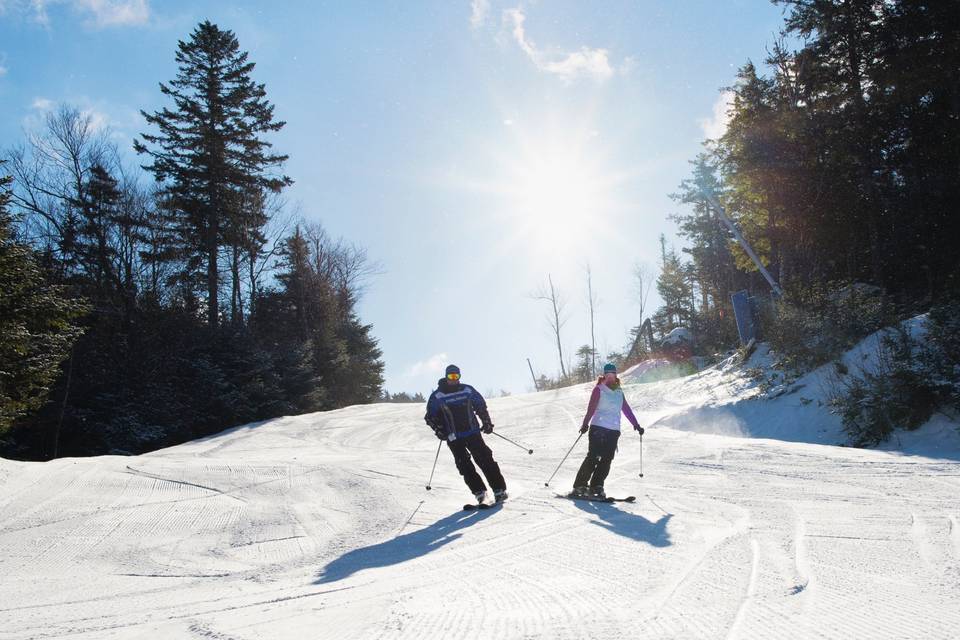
840, 164
145, 306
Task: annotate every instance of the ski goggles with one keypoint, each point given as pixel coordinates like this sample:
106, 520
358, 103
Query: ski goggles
453, 376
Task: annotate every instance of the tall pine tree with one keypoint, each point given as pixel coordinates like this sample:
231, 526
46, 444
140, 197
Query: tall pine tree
209, 152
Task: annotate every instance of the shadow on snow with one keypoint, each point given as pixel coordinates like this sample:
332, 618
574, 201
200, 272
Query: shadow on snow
626, 524
403, 547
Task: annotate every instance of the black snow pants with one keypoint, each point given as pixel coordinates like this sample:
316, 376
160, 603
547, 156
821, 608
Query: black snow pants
596, 466
462, 449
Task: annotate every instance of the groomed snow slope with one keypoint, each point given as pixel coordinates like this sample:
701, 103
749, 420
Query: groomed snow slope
318, 526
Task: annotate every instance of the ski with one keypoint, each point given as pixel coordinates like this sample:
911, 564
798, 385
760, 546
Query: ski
483, 505
570, 496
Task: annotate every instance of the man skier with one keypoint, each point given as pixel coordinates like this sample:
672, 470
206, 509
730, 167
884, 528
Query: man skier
452, 413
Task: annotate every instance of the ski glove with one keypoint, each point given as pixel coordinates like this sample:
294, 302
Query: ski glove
438, 427
487, 427
639, 429
584, 428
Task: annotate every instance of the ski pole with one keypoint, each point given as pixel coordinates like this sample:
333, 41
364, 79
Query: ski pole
430, 481
641, 455
530, 451
547, 483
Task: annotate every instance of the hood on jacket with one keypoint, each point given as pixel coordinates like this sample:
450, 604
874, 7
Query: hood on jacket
613, 387
446, 386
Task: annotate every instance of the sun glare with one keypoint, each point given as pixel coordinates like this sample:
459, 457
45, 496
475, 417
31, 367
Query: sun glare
557, 194
554, 188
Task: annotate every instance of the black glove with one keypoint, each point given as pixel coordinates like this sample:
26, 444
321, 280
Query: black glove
584, 428
439, 429
487, 427
639, 430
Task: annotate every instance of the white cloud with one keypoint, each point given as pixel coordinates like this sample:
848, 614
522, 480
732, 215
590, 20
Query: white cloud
42, 104
716, 125
98, 119
115, 13
433, 364
584, 63
517, 18
479, 10
96, 13
102, 117
592, 63
40, 12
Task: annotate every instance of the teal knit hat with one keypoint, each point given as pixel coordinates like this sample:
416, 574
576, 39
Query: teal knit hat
609, 368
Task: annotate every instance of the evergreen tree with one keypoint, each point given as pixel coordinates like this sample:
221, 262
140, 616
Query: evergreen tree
675, 290
311, 312
37, 327
713, 266
209, 153
94, 241
842, 163
583, 370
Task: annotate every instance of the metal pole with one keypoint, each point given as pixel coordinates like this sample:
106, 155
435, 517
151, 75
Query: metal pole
743, 242
430, 481
641, 455
536, 387
547, 483
528, 450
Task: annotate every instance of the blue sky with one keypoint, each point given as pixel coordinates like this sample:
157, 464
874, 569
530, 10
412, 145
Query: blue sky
472, 147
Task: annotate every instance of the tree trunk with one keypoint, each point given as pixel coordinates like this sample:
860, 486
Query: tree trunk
593, 335
556, 326
867, 160
236, 304
213, 291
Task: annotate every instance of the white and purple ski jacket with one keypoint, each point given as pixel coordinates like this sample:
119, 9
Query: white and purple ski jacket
605, 407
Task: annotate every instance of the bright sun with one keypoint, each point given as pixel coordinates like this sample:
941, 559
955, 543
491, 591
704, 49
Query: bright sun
557, 195
556, 189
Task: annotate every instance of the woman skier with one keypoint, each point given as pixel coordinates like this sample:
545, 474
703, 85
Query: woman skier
603, 421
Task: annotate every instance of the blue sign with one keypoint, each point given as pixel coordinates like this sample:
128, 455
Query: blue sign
743, 311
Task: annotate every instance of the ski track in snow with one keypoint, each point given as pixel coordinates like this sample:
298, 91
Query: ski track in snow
319, 526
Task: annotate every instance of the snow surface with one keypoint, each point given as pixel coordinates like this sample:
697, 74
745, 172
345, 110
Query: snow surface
678, 335
319, 526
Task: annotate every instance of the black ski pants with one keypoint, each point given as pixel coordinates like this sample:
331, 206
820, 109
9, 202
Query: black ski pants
596, 466
474, 445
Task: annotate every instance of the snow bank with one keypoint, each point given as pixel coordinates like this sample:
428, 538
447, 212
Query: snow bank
756, 399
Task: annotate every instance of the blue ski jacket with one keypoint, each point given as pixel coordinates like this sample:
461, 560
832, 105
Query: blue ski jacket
454, 408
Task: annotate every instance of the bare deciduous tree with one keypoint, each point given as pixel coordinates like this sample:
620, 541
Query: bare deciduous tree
556, 318
50, 173
644, 280
346, 265
592, 301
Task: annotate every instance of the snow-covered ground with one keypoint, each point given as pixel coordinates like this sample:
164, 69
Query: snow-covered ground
318, 526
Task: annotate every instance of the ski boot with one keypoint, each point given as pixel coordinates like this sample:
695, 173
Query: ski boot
579, 492
500, 496
481, 497
597, 493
